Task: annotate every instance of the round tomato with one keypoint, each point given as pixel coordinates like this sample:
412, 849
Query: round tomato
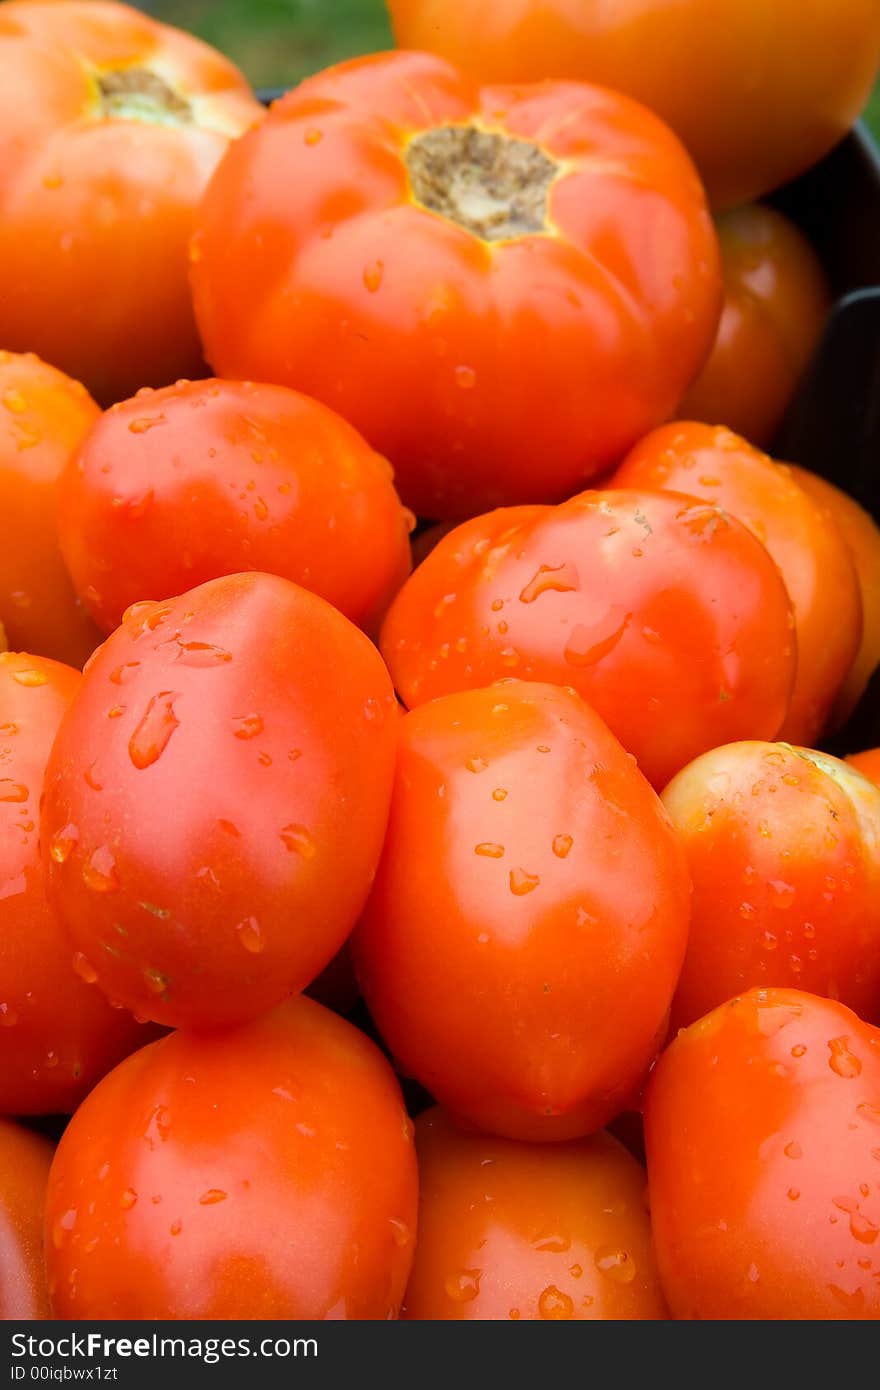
216, 799
816, 563
776, 302
110, 126
265, 1172
528, 921
783, 846
24, 1172
529, 1231
867, 763
57, 1036
470, 276
204, 478
762, 1132
44, 416
758, 89
664, 613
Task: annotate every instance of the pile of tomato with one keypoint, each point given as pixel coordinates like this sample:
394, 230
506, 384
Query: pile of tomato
421, 881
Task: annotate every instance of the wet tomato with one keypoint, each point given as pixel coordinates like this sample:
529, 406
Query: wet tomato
24, 1172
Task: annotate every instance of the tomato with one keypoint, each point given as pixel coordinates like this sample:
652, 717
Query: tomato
265, 1172
447, 266
529, 1231
762, 1131
776, 302
783, 846
520, 965
44, 416
712, 463
24, 1172
216, 799
758, 91
110, 126
867, 763
664, 613
862, 535
204, 478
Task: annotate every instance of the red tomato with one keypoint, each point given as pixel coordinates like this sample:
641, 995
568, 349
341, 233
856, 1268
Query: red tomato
758, 89
266, 1172
216, 799
110, 126
528, 921
711, 463
448, 266
57, 1036
529, 1231
24, 1171
868, 764
862, 535
776, 302
762, 1130
176, 487
664, 613
783, 846
44, 416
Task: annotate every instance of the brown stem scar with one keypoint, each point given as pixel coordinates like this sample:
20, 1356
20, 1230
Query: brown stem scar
137, 94
491, 184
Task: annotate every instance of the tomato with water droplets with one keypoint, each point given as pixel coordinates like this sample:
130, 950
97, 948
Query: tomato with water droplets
24, 1172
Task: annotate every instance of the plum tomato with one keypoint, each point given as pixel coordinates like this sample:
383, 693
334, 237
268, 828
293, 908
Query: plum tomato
24, 1172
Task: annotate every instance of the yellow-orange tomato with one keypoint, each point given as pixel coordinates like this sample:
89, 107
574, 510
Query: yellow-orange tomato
24, 1173
529, 1231
714, 464
862, 535
110, 126
757, 89
776, 301
44, 416
867, 763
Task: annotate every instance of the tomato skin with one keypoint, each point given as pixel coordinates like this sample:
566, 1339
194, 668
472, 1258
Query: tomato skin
46, 417
783, 846
462, 360
712, 463
175, 487
761, 1127
24, 1172
519, 967
867, 763
97, 208
725, 78
248, 1198
776, 303
663, 613
556, 1233
217, 706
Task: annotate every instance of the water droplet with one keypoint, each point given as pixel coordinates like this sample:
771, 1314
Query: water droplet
489, 851
146, 422
463, 1286
374, 275
562, 846
313, 137
128, 1199
30, 678
155, 981
91, 780
798, 1050
588, 645
62, 1226
8, 1016
14, 401
400, 1232
793, 1150
212, 1197
869, 1112
617, 1264
793, 1194
99, 872
200, 654
753, 1274
465, 378
522, 882
499, 794
781, 893
555, 1305
151, 737
12, 791
842, 1061
554, 1242
861, 1228
476, 764
248, 726
575, 1271
297, 838
123, 673
175, 1228
250, 935
561, 579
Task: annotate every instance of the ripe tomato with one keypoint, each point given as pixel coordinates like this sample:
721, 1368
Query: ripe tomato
665, 614
204, 478
44, 416
57, 1036
529, 1231
447, 266
758, 91
776, 301
762, 1124
867, 763
24, 1171
862, 535
783, 846
712, 463
110, 126
216, 799
520, 965
265, 1172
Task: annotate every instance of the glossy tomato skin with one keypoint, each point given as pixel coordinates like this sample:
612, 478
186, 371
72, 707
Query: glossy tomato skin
175, 487
712, 463
44, 416
783, 846
529, 1231
724, 77
663, 613
520, 966
776, 302
57, 1036
216, 799
461, 359
761, 1123
265, 1172
24, 1171
867, 763
110, 126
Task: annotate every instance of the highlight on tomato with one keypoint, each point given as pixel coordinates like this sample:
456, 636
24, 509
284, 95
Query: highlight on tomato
24, 1172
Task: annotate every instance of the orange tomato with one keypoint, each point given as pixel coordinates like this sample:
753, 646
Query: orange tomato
867, 763
24, 1172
